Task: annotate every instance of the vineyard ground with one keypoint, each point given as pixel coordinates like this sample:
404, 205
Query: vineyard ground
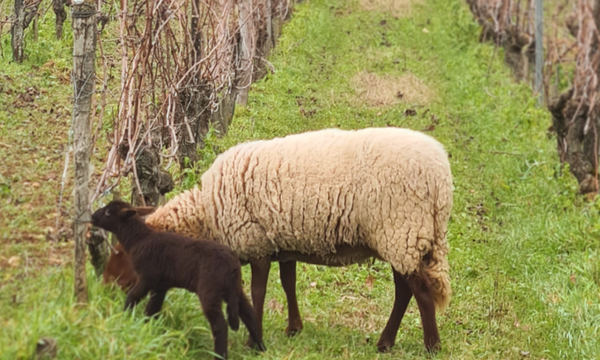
524, 257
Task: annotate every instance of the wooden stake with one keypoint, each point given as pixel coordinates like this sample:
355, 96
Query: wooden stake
83, 79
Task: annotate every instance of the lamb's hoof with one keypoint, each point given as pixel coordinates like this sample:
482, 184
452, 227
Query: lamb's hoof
434, 348
383, 349
384, 346
259, 347
256, 346
289, 331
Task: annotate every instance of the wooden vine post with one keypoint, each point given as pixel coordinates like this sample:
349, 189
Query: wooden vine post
539, 50
83, 76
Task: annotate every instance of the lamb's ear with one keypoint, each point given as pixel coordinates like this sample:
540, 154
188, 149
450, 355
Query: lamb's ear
147, 210
127, 213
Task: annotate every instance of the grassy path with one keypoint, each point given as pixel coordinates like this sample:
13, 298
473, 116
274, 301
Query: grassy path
524, 249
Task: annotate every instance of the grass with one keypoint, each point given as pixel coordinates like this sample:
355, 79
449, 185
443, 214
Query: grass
524, 254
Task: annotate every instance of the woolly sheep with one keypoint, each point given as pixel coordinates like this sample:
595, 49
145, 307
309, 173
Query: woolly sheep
330, 197
165, 260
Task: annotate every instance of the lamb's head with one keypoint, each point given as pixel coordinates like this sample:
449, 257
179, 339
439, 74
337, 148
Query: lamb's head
115, 214
184, 214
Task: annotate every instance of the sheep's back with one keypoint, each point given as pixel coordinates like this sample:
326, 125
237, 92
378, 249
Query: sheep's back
311, 192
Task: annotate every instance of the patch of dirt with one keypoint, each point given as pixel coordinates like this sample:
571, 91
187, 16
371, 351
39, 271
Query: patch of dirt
397, 8
376, 90
358, 312
33, 257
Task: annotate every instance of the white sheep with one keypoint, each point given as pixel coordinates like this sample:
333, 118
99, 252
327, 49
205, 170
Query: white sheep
330, 197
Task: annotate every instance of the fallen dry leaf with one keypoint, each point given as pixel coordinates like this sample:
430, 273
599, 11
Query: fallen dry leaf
369, 282
275, 306
14, 261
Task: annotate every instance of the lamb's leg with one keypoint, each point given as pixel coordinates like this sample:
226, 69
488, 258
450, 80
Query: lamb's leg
214, 314
260, 277
403, 296
155, 303
287, 273
421, 288
248, 317
136, 294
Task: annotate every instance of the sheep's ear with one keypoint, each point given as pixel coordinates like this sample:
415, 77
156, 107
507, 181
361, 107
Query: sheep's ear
127, 213
143, 211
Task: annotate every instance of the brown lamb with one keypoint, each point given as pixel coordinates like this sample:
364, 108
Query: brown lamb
119, 269
166, 260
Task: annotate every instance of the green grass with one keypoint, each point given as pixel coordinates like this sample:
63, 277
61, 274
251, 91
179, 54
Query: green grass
524, 254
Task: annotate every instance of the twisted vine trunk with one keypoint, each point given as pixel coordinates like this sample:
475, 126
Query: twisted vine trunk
247, 50
58, 6
575, 113
83, 78
17, 31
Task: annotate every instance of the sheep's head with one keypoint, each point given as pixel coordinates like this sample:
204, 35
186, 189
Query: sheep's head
117, 212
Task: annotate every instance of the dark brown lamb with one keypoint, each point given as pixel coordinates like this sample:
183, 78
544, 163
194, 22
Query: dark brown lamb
166, 260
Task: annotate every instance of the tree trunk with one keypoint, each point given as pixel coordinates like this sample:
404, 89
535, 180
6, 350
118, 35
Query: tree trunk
247, 50
18, 31
84, 58
61, 15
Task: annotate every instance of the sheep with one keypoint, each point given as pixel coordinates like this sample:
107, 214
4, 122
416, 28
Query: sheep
335, 198
119, 269
166, 260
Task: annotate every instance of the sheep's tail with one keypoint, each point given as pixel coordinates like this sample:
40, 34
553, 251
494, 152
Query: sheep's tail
233, 303
437, 273
436, 266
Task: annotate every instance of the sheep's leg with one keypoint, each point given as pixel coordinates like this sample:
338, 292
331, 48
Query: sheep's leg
248, 317
287, 273
403, 296
214, 314
155, 303
421, 288
260, 277
136, 294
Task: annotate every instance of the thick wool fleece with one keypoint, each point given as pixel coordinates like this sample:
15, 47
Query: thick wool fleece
388, 189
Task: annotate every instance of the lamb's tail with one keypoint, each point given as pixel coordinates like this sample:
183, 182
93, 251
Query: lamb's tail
233, 305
